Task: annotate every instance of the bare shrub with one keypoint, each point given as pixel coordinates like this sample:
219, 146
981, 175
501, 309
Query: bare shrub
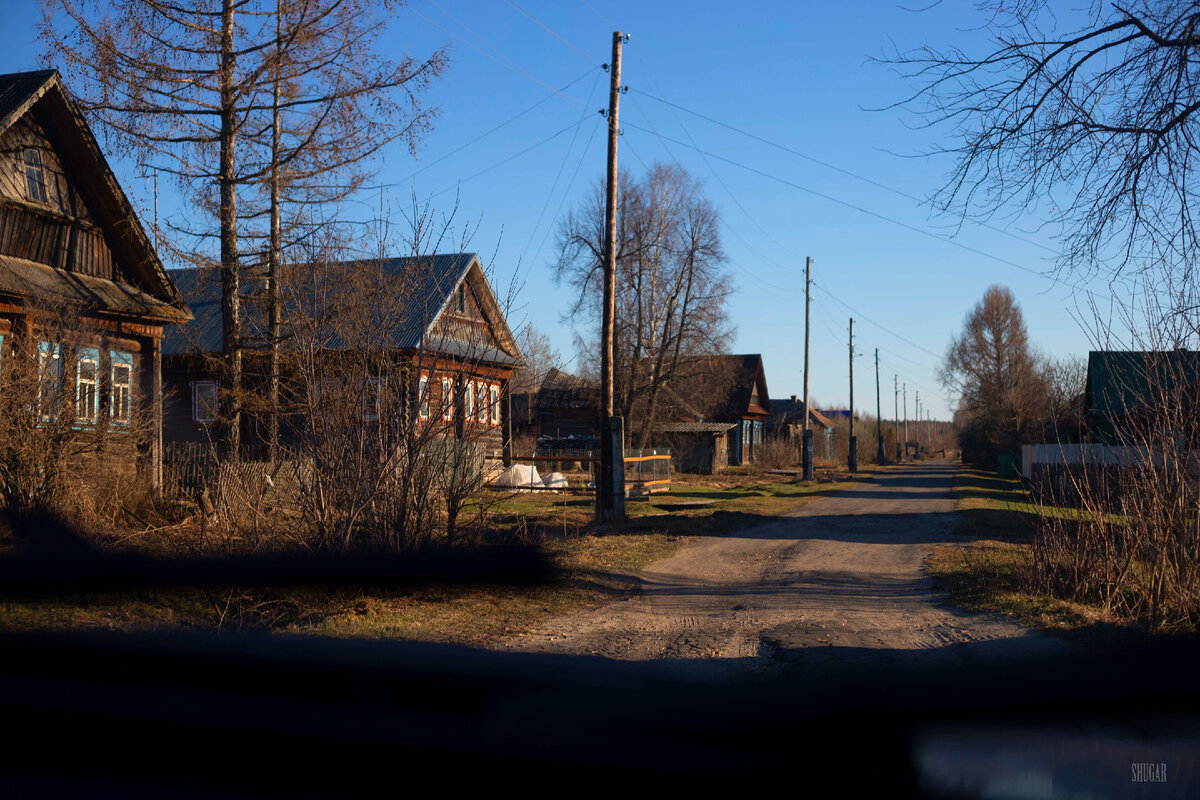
777, 454
70, 444
1121, 530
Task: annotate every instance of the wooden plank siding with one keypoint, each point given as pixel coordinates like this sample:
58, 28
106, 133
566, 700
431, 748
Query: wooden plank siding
59, 232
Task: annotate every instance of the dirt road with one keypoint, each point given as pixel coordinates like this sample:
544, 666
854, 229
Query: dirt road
839, 579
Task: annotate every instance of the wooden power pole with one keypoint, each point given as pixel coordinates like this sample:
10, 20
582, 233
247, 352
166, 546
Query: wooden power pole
896, 412
610, 488
917, 419
853, 454
879, 456
807, 440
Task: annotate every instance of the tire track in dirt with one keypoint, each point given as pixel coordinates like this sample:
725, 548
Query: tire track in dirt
836, 580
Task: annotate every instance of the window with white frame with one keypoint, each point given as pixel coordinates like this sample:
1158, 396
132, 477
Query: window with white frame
423, 397
50, 374
35, 175
494, 394
87, 384
447, 399
204, 402
469, 402
120, 386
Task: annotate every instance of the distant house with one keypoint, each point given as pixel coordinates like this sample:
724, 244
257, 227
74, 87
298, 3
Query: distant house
787, 418
1123, 386
787, 422
1134, 402
70, 239
565, 406
449, 338
732, 394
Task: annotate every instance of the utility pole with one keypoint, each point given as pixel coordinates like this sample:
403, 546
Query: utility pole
896, 412
853, 454
879, 456
905, 385
610, 488
807, 439
917, 429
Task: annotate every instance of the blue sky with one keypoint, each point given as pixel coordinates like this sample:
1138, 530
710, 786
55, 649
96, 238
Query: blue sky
797, 74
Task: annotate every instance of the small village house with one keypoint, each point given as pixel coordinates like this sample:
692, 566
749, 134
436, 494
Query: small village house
724, 423
786, 422
448, 335
70, 240
1135, 405
565, 406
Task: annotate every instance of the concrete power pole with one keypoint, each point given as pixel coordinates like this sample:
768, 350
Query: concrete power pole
905, 389
610, 488
879, 456
853, 454
807, 439
896, 412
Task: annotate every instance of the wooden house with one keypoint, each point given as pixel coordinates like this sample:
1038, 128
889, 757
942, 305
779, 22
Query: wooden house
1124, 390
71, 242
434, 318
787, 422
565, 407
730, 394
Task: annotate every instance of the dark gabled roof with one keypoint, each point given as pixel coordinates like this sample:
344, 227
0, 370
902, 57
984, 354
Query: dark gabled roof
1120, 382
791, 410
562, 390
76, 147
737, 377
428, 286
18, 91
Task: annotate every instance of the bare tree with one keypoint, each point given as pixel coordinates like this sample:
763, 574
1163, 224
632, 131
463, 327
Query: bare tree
540, 357
182, 88
70, 440
671, 287
997, 375
1094, 126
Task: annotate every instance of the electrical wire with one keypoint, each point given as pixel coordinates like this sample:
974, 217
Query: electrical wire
486, 134
836, 168
876, 215
562, 165
544, 27
516, 155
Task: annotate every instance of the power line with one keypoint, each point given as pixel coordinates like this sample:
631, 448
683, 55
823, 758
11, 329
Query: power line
562, 165
482, 136
854, 310
567, 193
539, 23
836, 168
502, 59
501, 163
868, 212
754, 220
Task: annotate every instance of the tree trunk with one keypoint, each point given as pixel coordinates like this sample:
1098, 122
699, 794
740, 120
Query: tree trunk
231, 323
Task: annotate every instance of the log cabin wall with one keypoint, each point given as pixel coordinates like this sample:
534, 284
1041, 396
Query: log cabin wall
58, 229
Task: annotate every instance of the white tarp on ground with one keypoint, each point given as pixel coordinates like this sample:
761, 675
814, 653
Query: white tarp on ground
555, 480
520, 476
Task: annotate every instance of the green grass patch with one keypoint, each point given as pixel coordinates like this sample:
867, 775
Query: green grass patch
987, 567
